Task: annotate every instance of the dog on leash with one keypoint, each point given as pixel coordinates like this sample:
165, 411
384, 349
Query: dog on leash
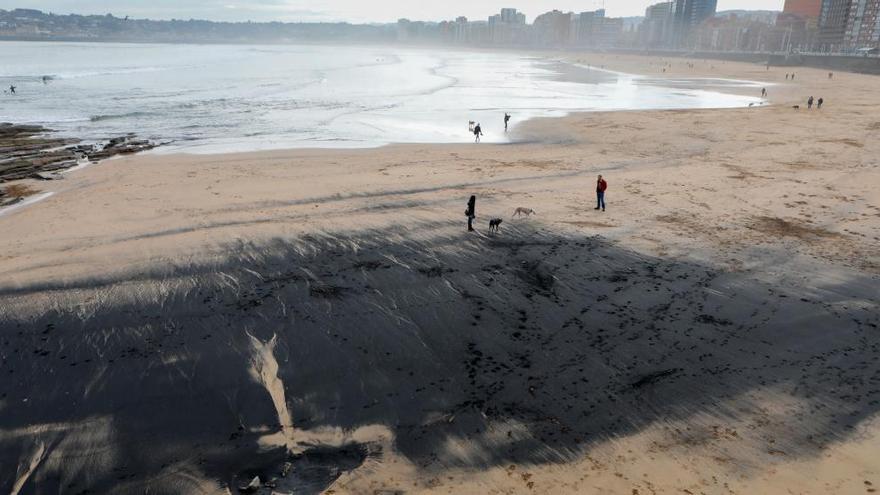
495, 225
523, 211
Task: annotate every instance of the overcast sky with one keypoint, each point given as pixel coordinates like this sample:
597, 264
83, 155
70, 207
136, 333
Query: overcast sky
348, 10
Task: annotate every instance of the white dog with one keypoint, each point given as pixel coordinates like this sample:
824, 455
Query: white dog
523, 211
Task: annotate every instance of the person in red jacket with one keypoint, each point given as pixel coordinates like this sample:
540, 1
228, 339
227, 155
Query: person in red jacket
601, 186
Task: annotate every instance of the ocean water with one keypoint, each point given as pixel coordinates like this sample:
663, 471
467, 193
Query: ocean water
210, 98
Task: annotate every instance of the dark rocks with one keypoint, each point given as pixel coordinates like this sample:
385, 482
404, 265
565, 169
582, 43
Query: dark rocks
48, 176
326, 291
28, 151
652, 378
251, 487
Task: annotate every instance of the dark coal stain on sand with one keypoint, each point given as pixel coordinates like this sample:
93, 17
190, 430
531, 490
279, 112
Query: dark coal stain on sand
531, 346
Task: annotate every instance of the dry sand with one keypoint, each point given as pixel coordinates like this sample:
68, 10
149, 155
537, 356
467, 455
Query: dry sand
180, 324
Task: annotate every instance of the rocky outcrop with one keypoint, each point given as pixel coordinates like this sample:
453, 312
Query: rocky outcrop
30, 151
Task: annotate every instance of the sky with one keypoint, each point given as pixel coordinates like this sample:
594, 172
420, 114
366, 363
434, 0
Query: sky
358, 11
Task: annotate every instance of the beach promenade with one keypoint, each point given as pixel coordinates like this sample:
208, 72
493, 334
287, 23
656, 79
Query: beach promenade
321, 319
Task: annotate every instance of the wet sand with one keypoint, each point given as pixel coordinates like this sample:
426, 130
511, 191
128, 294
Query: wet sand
182, 324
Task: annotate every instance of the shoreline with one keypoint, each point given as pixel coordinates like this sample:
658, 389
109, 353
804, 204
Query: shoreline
446, 133
561, 76
321, 319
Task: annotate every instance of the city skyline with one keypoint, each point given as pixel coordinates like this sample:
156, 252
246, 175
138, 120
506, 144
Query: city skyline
355, 11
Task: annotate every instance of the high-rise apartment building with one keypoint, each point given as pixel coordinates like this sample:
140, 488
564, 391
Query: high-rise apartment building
691, 13
508, 27
863, 25
808, 9
832, 24
594, 29
553, 28
511, 16
656, 30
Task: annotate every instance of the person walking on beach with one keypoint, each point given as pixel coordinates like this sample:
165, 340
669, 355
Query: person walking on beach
471, 212
763, 92
830, 75
786, 77
810, 103
12, 89
506, 120
601, 187
819, 103
478, 131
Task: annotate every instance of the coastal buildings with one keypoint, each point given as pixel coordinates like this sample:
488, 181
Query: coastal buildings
798, 24
832, 25
657, 28
593, 29
863, 25
795, 33
829, 26
508, 28
731, 33
553, 29
511, 16
849, 26
807, 9
689, 14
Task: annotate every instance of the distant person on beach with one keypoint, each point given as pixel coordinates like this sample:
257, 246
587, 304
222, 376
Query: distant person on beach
506, 121
792, 76
786, 77
810, 103
471, 212
601, 187
830, 75
763, 92
12, 89
478, 131
819, 104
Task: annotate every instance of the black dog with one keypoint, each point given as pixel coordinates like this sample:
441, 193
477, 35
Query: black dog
495, 225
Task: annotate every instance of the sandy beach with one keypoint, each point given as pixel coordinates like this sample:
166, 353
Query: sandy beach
321, 318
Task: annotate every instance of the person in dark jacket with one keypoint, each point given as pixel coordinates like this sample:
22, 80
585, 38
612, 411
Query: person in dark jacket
601, 187
471, 212
810, 103
819, 103
478, 131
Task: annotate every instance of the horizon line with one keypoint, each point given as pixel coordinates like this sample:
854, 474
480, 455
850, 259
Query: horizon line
340, 21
